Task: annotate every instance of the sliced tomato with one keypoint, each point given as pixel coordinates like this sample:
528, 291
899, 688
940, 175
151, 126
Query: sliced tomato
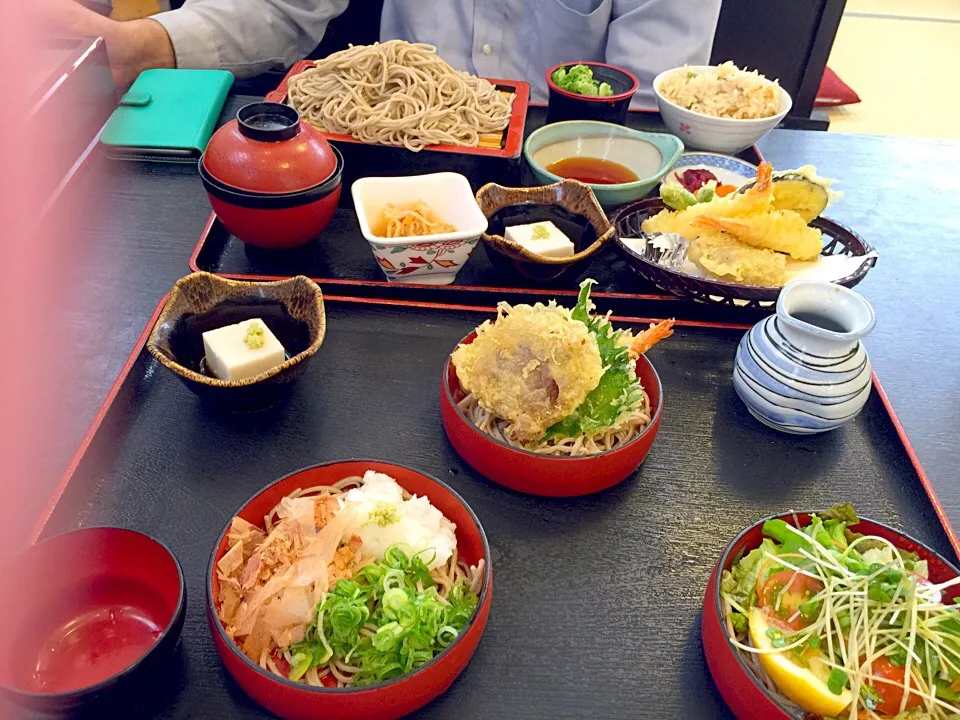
762, 571
784, 592
888, 683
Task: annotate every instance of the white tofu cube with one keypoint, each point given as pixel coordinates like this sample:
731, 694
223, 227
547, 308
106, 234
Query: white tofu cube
543, 238
230, 357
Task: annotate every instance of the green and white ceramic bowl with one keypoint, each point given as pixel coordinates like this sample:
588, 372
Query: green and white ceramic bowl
649, 155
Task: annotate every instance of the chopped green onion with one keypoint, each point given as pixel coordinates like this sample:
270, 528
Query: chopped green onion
837, 681
776, 638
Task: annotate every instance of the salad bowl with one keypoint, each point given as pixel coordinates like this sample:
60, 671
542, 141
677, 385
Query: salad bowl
745, 692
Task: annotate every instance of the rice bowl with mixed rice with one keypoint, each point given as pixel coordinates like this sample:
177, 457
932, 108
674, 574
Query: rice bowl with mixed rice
723, 91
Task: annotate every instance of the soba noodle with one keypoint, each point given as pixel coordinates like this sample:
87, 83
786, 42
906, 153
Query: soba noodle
454, 571
398, 93
628, 426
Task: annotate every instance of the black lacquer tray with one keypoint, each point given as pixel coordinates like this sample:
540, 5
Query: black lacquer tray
597, 602
342, 259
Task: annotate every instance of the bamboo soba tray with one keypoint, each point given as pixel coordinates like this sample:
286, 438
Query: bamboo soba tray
597, 602
498, 155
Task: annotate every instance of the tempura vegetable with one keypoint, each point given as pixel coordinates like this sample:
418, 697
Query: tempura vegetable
746, 236
532, 366
755, 201
728, 259
556, 381
618, 389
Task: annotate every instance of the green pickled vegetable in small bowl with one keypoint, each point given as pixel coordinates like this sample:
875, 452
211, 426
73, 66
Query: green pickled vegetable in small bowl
579, 79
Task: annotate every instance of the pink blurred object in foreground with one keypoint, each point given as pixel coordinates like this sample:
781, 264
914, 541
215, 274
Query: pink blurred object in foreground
36, 287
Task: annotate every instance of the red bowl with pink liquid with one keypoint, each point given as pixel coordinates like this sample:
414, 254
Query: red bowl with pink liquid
544, 475
382, 701
87, 615
742, 691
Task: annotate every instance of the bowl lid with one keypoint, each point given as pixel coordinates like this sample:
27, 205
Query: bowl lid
268, 149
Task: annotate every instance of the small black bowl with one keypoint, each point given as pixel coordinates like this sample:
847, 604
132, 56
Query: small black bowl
90, 620
292, 309
564, 105
569, 204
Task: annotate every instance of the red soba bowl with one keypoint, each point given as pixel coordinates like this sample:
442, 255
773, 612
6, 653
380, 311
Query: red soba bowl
88, 615
737, 683
535, 474
383, 701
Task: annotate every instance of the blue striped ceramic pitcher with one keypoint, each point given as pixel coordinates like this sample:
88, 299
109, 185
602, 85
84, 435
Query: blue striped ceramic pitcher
804, 370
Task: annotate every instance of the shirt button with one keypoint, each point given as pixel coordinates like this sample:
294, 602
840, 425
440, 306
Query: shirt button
487, 48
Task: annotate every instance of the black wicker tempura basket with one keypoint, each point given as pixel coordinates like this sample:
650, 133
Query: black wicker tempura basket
838, 240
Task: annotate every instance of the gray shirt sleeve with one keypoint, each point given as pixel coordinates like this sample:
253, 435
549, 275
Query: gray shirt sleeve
247, 37
650, 36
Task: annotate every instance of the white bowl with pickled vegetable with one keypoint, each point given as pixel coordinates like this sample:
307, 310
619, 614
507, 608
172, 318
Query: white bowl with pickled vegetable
776, 589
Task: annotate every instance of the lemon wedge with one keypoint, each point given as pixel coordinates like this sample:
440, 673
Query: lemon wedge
802, 685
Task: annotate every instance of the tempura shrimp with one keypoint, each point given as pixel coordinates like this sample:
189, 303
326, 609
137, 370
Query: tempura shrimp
646, 339
755, 201
781, 230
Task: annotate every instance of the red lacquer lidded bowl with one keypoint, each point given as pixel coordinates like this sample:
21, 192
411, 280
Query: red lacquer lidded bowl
273, 180
267, 149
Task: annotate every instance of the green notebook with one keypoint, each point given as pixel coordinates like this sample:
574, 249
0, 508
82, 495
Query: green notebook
167, 115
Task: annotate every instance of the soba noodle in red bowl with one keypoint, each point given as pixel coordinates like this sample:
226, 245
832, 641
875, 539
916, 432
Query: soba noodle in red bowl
553, 402
355, 589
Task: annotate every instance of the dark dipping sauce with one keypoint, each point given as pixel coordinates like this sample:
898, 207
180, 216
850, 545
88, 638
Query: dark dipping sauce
594, 171
186, 339
576, 227
820, 321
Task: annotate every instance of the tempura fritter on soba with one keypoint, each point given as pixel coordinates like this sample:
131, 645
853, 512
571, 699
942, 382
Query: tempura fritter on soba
533, 367
555, 381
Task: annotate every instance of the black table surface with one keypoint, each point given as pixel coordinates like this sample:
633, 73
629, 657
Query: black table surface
596, 600
900, 195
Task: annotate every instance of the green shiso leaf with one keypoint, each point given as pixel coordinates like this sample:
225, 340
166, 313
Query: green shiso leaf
618, 389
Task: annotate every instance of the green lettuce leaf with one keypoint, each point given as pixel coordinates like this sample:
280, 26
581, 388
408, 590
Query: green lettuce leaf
739, 582
618, 388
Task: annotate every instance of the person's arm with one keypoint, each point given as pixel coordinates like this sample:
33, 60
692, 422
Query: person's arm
650, 36
243, 36
246, 37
